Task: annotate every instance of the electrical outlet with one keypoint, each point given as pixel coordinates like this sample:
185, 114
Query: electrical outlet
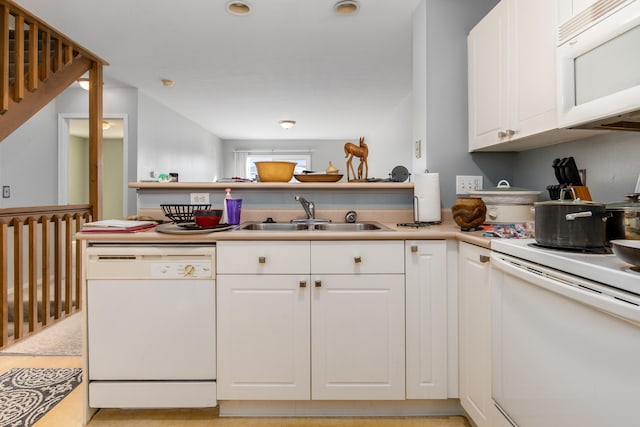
466, 183
418, 149
199, 198
6, 191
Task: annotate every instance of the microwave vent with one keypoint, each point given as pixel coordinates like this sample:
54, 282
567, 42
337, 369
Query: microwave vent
585, 19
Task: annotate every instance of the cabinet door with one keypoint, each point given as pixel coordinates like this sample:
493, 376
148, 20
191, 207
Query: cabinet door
487, 47
532, 67
263, 337
426, 313
474, 303
358, 337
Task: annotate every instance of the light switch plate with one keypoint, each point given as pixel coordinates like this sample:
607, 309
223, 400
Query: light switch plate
418, 149
466, 183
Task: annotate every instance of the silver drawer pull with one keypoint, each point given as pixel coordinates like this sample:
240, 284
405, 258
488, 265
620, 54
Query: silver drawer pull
414, 248
318, 283
303, 283
484, 259
262, 260
357, 259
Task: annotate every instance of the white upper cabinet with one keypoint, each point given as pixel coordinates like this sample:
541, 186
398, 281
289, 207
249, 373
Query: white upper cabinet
512, 78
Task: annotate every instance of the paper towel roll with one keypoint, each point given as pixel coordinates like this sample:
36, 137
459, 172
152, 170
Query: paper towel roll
426, 196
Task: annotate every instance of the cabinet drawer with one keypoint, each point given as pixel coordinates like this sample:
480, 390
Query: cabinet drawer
263, 257
380, 256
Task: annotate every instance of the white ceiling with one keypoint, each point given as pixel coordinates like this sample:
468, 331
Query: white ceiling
337, 76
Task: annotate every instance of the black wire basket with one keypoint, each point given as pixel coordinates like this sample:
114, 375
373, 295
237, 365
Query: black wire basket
182, 213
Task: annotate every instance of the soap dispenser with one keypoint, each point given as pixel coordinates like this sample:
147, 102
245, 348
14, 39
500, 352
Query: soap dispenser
225, 216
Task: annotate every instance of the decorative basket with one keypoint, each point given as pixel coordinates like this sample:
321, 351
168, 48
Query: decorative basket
182, 213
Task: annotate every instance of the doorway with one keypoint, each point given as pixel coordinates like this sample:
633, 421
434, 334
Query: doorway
73, 183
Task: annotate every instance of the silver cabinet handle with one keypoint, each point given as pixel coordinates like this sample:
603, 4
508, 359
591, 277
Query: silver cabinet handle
318, 283
262, 260
484, 259
303, 283
357, 259
504, 134
414, 248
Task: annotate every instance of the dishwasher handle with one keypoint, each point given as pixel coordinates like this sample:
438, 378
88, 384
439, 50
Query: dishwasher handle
571, 287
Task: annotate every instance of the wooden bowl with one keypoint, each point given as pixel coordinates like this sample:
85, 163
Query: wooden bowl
275, 171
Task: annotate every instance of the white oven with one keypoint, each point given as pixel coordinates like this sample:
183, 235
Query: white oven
565, 349
599, 67
151, 333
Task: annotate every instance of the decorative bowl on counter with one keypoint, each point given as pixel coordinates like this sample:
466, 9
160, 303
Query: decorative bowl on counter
207, 217
275, 171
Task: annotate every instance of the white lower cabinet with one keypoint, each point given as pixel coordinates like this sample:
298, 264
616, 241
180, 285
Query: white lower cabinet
426, 319
328, 328
263, 337
474, 293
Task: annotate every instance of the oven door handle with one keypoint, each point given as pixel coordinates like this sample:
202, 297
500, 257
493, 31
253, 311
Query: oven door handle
569, 286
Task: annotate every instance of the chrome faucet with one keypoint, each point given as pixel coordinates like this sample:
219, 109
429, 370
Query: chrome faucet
309, 207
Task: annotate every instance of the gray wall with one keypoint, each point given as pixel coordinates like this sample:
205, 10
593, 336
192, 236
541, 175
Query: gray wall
29, 161
448, 24
115, 101
612, 162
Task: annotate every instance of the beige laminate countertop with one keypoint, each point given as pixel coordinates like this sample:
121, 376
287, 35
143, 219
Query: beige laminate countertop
449, 231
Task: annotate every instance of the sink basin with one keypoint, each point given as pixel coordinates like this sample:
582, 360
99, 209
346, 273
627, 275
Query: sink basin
355, 226
274, 226
337, 227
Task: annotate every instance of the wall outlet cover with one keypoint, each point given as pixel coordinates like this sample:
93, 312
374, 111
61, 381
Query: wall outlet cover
199, 198
6, 191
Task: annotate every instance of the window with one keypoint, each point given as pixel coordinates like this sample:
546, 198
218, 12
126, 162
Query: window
303, 162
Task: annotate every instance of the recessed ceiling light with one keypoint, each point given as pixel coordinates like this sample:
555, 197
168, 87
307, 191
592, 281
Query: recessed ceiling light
167, 82
240, 8
346, 7
287, 124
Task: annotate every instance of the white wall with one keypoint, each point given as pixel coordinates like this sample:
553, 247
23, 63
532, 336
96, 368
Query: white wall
168, 142
389, 146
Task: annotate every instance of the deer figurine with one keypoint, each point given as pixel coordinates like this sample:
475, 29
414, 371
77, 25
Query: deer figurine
361, 151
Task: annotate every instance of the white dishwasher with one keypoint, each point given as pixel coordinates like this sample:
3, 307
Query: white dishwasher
151, 325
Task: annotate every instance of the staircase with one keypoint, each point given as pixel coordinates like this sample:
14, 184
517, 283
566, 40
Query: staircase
36, 64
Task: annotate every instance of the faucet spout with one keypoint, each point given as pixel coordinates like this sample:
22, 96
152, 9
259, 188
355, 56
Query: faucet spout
308, 207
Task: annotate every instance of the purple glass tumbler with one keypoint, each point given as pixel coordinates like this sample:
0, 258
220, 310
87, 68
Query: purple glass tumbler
233, 211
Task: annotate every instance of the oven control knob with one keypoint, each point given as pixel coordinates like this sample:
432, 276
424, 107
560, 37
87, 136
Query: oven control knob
189, 270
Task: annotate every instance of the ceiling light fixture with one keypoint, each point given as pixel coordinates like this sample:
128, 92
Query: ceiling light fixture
167, 82
287, 124
239, 8
106, 125
84, 83
346, 7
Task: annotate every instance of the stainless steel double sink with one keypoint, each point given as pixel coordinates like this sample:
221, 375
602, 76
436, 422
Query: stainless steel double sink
314, 226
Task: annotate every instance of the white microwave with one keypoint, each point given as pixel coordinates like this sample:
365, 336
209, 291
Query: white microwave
598, 64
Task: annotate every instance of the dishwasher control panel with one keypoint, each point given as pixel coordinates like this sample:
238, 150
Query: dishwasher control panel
181, 269
156, 262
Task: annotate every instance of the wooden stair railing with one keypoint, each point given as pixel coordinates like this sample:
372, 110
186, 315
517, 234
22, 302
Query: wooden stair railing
36, 64
45, 287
